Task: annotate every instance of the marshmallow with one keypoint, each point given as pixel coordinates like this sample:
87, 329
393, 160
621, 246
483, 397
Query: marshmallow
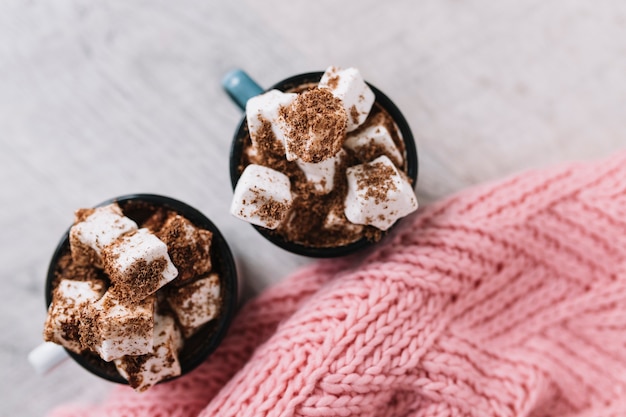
263, 109
162, 363
188, 246
316, 126
336, 220
94, 229
348, 86
114, 330
374, 139
322, 174
69, 301
262, 196
378, 194
138, 264
196, 303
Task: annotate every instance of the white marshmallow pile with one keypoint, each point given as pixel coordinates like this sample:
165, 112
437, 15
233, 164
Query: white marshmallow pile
121, 323
259, 184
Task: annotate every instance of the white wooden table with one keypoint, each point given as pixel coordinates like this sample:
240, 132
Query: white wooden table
100, 99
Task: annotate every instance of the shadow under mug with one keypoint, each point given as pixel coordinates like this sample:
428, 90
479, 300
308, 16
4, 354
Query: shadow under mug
202, 343
241, 87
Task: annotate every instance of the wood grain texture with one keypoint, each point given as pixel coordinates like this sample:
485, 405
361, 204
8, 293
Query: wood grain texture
99, 99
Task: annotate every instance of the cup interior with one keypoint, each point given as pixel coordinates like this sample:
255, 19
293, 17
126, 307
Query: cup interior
236, 167
201, 344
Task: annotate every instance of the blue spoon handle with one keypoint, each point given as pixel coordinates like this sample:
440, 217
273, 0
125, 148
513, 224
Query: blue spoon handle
240, 87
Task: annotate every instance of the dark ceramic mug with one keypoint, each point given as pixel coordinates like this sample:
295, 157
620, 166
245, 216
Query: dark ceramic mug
241, 87
202, 343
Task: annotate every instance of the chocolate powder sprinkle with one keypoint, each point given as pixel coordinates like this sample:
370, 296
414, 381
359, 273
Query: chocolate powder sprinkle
377, 179
354, 115
182, 298
188, 247
144, 279
68, 269
373, 151
317, 123
333, 81
156, 221
265, 139
379, 117
81, 214
270, 210
88, 331
133, 366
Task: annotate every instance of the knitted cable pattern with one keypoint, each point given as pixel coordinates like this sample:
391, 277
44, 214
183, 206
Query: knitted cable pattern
508, 299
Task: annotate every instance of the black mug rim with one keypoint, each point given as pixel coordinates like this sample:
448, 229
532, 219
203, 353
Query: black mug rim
412, 164
227, 274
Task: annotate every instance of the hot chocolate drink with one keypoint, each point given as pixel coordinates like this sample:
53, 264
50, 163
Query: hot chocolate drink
133, 291
324, 164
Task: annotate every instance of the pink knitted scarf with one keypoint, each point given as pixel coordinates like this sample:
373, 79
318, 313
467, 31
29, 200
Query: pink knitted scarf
508, 299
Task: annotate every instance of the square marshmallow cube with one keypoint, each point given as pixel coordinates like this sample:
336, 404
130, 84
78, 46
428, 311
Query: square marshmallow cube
378, 194
266, 108
94, 229
348, 86
69, 301
336, 220
189, 247
374, 137
162, 363
117, 330
196, 303
322, 174
262, 196
138, 264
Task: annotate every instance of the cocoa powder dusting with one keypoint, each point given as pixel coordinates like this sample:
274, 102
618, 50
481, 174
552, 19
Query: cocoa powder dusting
155, 222
376, 179
70, 330
317, 123
81, 214
333, 81
188, 247
354, 115
89, 330
379, 117
182, 298
66, 268
268, 209
372, 151
265, 139
141, 278
133, 366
